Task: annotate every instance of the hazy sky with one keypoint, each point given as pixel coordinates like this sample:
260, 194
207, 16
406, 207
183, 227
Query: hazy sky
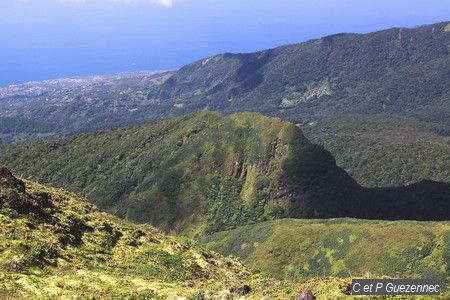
42, 39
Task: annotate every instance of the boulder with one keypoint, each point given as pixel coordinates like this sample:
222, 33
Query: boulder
8, 180
307, 295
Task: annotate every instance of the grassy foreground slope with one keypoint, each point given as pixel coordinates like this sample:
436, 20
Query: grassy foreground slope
205, 173
54, 245
300, 249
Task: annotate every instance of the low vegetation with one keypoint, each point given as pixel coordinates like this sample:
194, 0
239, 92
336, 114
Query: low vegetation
54, 244
296, 250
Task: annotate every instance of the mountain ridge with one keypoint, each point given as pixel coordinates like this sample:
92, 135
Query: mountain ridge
212, 81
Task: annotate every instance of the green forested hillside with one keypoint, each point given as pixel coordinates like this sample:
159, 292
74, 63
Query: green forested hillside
399, 74
401, 71
299, 249
205, 173
383, 150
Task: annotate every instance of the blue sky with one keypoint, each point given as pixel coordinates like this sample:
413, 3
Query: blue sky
43, 39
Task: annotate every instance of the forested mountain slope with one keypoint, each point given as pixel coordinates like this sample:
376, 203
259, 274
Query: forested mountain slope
205, 173
382, 150
401, 71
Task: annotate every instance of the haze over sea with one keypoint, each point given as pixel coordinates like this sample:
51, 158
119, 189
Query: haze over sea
59, 38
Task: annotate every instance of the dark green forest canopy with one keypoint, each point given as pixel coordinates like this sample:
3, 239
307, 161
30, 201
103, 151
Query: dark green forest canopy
205, 173
384, 150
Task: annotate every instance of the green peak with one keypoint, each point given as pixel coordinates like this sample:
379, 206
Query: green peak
205, 172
